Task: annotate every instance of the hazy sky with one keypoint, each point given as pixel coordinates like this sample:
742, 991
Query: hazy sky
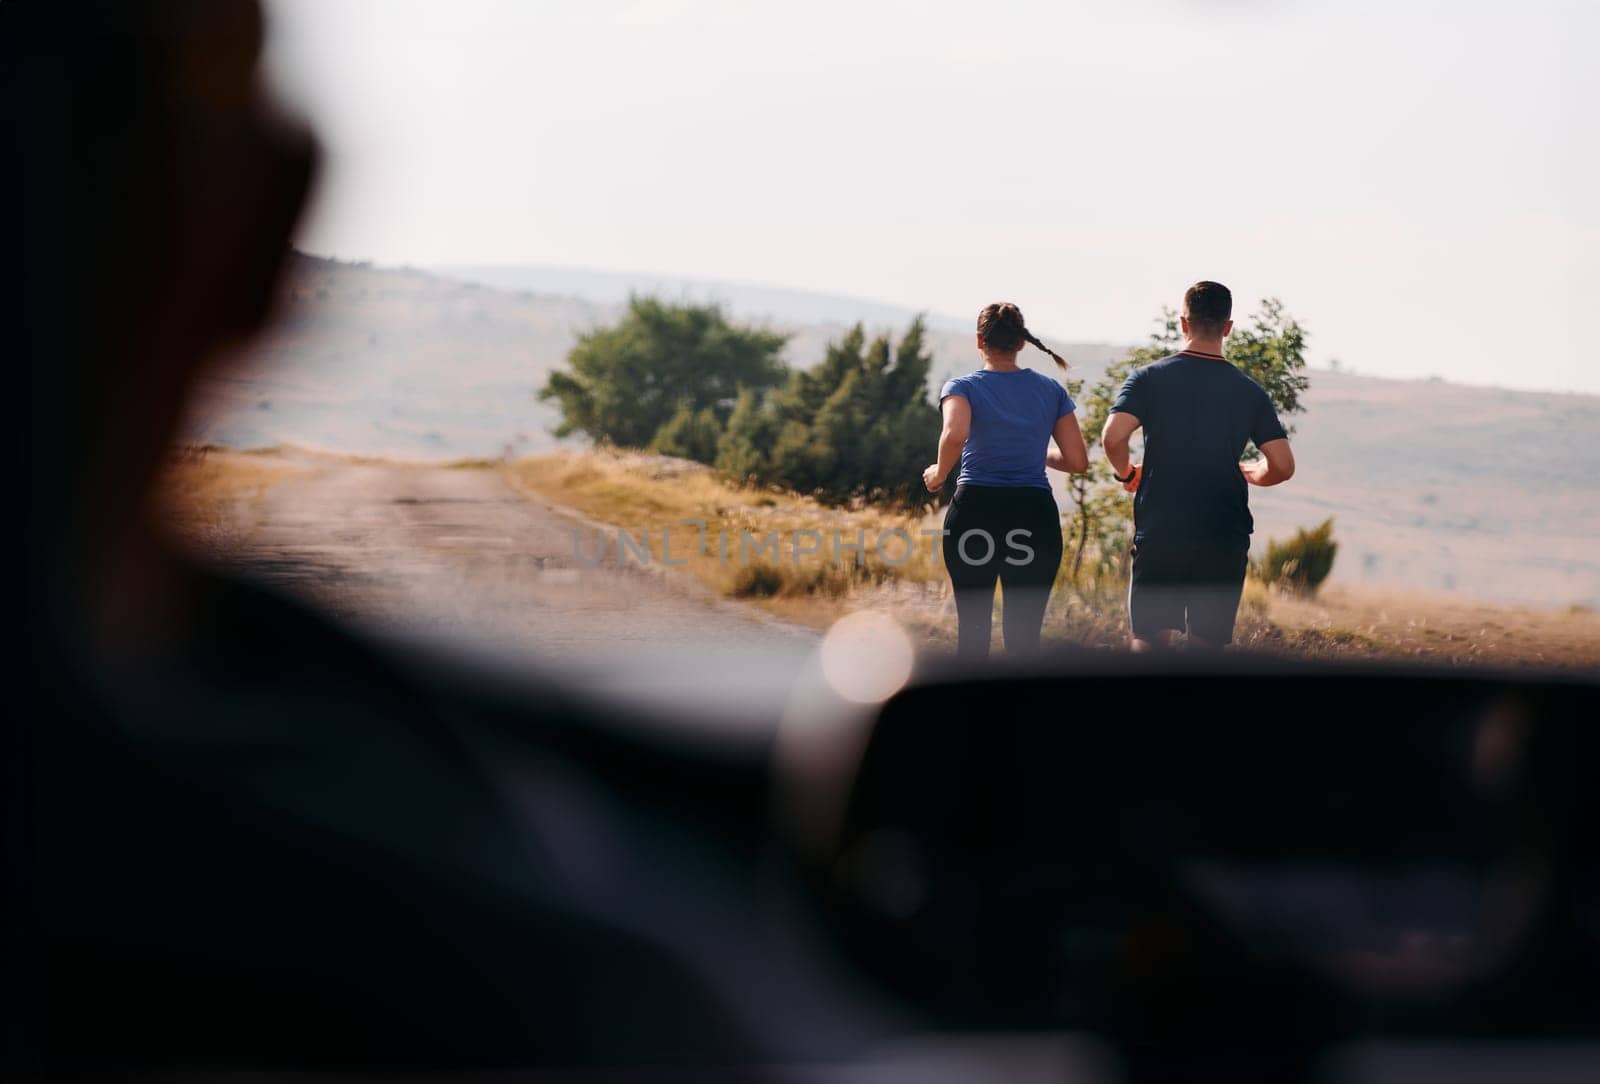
1416, 180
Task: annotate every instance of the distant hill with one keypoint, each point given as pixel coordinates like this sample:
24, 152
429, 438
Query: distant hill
811, 319
414, 363
750, 302
1433, 486
1443, 487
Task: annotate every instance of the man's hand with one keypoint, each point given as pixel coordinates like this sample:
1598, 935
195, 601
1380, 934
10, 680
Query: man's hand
1115, 439
932, 478
1275, 465
1132, 484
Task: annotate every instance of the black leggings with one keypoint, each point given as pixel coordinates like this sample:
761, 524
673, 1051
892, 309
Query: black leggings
992, 530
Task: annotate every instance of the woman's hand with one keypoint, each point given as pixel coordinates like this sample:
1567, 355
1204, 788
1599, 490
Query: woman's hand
932, 478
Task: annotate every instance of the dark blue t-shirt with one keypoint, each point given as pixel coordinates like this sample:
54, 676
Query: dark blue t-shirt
1198, 413
1014, 414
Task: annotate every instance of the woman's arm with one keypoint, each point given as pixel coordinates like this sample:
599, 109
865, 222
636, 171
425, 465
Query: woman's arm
957, 423
1069, 454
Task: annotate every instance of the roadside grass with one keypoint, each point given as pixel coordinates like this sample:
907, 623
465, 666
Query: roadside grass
646, 495
207, 495
780, 551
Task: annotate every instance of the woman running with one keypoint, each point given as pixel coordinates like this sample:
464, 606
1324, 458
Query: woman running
1002, 522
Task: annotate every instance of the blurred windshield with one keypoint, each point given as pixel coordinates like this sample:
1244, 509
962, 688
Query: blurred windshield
618, 330
884, 538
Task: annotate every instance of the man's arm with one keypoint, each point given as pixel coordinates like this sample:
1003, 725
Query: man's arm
957, 423
1069, 453
1275, 465
1118, 433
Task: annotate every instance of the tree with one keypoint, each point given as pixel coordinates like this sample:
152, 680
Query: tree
690, 434
1100, 508
745, 450
858, 425
1099, 515
1272, 352
625, 382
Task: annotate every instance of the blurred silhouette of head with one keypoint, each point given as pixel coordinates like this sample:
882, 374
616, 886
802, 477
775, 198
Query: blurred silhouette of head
1001, 330
150, 195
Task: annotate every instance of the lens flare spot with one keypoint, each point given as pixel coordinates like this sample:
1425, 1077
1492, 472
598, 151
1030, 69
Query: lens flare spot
867, 657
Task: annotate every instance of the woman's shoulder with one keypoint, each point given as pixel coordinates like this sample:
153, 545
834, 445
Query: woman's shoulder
1046, 382
1054, 393
961, 384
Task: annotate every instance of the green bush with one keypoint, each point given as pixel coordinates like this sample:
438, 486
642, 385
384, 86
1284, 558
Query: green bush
744, 450
858, 426
1301, 563
625, 382
681, 380
689, 434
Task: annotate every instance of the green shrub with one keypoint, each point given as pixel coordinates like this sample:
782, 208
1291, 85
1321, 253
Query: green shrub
624, 382
689, 434
858, 426
1301, 563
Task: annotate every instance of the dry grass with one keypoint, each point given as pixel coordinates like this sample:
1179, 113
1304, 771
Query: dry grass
648, 493
208, 495
750, 535
1437, 628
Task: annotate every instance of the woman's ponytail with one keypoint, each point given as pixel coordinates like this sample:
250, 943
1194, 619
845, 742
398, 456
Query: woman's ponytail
1000, 326
1034, 340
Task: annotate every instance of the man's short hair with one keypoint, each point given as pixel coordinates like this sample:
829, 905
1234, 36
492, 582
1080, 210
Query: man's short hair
1209, 307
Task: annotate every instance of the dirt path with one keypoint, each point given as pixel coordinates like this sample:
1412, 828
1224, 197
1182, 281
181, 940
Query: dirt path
1436, 628
456, 553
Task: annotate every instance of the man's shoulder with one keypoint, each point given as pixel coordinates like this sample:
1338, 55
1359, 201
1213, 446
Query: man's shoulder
1160, 366
1248, 384
1156, 371
1232, 376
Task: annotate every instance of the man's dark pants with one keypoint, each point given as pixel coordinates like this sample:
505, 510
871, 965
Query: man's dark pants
1187, 584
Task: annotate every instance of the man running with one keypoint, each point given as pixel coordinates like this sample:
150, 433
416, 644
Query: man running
1191, 509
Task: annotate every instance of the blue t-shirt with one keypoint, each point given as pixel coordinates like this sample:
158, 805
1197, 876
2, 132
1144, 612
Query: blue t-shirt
1198, 413
1014, 414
